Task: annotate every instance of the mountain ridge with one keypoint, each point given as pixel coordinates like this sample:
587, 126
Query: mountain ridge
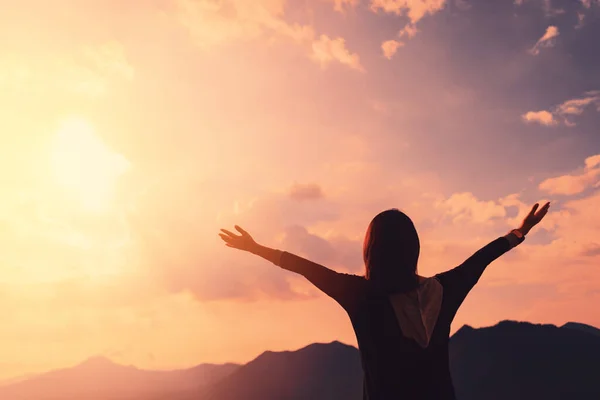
511, 359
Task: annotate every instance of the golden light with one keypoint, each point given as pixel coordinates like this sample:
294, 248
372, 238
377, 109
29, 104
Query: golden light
85, 166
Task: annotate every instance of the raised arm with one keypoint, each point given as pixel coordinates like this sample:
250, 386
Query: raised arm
341, 287
460, 280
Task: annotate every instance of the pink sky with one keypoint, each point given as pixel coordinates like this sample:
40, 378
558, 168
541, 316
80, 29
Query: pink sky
131, 135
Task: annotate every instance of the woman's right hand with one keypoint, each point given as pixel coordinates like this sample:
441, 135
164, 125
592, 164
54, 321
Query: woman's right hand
533, 218
240, 242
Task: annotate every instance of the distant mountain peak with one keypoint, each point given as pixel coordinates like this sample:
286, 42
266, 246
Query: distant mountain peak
463, 330
99, 362
513, 323
338, 343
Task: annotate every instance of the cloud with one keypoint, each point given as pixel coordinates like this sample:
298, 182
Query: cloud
326, 50
568, 260
207, 274
546, 5
389, 48
465, 206
541, 117
341, 5
310, 191
213, 22
587, 4
571, 107
89, 72
577, 182
462, 4
577, 106
183, 253
549, 10
409, 30
547, 40
335, 252
592, 162
414, 9
591, 250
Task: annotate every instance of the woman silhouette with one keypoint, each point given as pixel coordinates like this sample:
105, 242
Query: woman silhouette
401, 320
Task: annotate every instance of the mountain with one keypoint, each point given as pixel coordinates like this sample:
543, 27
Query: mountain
582, 327
518, 360
99, 378
319, 371
17, 379
510, 360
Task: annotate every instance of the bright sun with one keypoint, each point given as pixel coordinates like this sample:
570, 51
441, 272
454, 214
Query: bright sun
84, 165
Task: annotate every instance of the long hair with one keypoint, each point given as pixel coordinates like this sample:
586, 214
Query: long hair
391, 251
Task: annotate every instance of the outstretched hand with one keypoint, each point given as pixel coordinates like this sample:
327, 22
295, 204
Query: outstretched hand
534, 218
240, 242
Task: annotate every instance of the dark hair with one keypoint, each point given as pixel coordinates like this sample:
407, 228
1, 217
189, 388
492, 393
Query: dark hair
391, 251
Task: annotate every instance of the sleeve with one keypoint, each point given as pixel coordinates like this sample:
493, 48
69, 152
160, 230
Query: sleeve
459, 281
343, 288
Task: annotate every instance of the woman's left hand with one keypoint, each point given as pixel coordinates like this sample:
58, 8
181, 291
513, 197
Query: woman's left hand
240, 242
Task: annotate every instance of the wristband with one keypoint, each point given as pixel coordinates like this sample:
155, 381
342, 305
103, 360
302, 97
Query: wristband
515, 237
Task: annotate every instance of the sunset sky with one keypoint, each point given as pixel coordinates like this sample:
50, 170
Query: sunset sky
132, 131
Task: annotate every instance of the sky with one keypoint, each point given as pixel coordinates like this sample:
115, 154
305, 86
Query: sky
132, 133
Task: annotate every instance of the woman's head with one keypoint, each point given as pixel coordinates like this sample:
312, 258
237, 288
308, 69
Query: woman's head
391, 250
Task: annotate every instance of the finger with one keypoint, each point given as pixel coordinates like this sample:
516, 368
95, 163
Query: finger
225, 237
532, 212
233, 235
229, 245
544, 209
240, 230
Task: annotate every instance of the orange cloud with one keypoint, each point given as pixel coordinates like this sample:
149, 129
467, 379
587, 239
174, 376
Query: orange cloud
217, 22
571, 184
577, 106
212, 22
465, 206
337, 252
389, 48
541, 117
326, 50
547, 40
570, 107
409, 30
414, 9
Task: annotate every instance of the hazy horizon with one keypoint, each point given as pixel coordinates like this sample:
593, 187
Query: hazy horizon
131, 135
99, 358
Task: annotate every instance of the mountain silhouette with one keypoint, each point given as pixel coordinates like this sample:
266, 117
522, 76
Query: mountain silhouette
318, 371
98, 378
582, 328
518, 360
510, 360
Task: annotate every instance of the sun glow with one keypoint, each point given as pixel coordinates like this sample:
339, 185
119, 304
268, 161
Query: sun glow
85, 166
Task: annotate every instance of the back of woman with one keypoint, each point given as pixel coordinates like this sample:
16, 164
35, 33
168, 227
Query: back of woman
403, 341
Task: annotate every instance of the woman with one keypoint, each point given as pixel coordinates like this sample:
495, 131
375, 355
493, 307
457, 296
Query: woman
401, 320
